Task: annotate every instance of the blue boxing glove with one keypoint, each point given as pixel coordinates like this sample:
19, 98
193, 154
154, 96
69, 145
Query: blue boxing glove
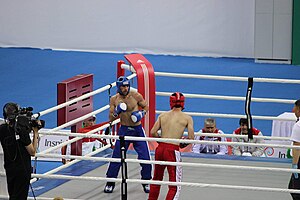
295, 166
122, 107
136, 116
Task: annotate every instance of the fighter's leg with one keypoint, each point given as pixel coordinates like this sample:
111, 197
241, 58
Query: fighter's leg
175, 175
142, 149
158, 175
114, 167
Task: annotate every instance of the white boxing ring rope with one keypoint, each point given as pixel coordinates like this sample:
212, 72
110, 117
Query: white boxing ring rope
234, 98
128, 160
169, 163
80, 135
226, 135
174, 164
71, 162
78, 138
227, 78
201, 185
90, 134
228, 115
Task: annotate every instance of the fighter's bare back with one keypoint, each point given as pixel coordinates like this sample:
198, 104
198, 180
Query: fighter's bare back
173, 123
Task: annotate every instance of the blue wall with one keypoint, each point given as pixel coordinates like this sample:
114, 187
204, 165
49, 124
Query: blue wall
29, 77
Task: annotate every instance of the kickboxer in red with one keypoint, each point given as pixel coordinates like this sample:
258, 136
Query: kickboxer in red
172, 125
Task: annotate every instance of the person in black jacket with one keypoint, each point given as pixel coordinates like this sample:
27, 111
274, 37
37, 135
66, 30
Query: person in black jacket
18, 149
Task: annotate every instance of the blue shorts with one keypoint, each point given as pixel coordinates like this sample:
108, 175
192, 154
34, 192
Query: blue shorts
141, 147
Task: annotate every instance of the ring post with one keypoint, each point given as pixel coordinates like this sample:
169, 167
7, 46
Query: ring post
123, 168
247, 108
146, 87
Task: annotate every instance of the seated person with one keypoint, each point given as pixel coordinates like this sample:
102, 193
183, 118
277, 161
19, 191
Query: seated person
247, 150
88, 144
210, 127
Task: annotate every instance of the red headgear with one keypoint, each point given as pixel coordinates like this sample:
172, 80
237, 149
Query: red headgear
177, 100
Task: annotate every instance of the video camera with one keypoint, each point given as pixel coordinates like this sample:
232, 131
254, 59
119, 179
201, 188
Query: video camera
24, 119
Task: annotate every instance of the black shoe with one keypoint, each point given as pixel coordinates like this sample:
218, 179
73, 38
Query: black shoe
146, 188
109, 188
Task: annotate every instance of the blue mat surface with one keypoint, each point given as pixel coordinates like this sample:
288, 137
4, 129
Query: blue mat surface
43, 185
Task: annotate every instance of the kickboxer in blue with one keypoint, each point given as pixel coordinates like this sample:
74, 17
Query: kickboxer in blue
126, 104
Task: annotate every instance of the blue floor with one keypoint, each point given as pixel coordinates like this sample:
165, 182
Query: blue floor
30, 76
43, 185
45, 166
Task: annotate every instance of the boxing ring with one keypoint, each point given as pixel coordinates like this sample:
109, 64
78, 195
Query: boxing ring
204, 176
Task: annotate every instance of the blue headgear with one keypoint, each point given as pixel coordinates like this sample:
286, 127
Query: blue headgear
123, 81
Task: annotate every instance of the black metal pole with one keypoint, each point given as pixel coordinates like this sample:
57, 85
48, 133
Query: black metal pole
123, 168
247, 107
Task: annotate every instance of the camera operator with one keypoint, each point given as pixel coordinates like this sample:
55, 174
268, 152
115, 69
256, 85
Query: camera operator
18, 149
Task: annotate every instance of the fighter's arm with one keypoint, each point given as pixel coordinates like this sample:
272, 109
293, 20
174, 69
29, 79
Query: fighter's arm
156, 127
190, 128
112, 107
141, 102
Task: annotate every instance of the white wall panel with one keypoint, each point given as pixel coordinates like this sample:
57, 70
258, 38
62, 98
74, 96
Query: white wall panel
193, 27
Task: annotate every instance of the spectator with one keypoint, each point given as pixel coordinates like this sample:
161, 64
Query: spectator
247, 150
210, 127
88, 144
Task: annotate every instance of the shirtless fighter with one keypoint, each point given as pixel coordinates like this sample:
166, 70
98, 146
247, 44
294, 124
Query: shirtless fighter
172, 125
126, 105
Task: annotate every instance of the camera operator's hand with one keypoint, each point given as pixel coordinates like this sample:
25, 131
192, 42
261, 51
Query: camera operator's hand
34, 144
35, 129
35, 138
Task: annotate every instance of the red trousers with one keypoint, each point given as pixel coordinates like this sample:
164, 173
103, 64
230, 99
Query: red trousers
166, 152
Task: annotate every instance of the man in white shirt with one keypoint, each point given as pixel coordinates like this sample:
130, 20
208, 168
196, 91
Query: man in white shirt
295, 137
210, 127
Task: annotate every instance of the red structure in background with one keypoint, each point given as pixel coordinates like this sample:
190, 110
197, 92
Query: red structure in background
146, 86
68, 90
